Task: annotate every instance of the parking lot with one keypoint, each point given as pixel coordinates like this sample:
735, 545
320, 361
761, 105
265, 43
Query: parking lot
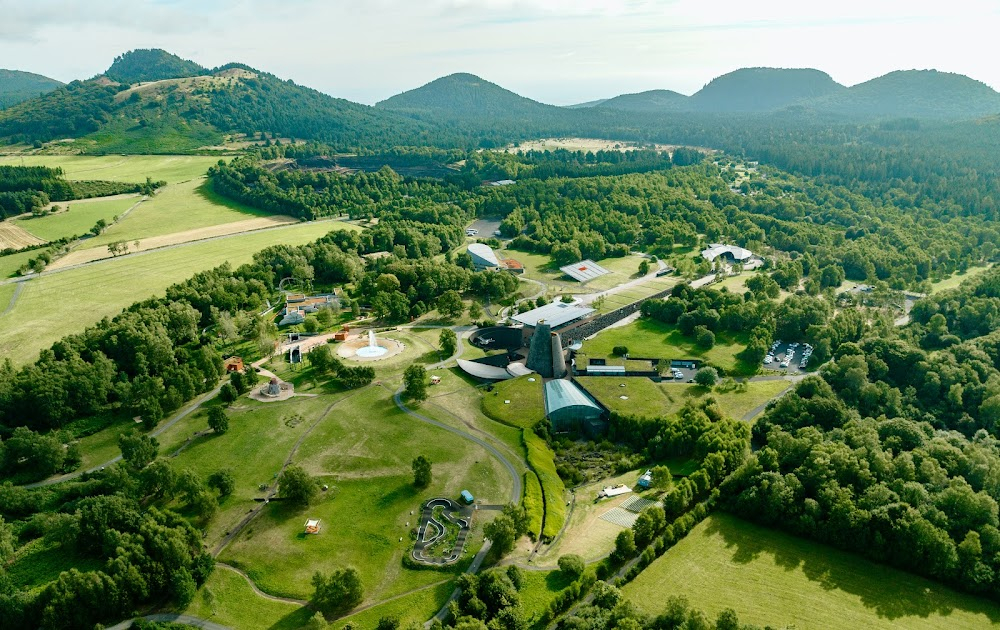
791, 352
687, 375
485, 227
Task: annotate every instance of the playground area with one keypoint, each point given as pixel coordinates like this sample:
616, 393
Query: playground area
441, 534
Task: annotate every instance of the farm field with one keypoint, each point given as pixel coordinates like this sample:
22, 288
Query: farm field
77, 217
646, 398
183, 207
121, 168
56, 304
655, 340
788, 580
13, 236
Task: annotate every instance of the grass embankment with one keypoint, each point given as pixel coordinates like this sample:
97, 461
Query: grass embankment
77, 217
650, 339
541, 459
518, 402
121, 168
57, 304
534, 503
646, 398
787, 580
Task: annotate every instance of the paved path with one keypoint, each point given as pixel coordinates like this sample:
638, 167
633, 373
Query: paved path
197, 622
177, 417
14, 296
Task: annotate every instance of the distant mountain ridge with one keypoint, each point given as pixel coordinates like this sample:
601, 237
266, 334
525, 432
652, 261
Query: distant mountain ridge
17, 86
650, 101
763, 90
464, 95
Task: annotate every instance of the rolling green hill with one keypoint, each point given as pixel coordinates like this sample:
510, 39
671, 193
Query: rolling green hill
465, 96
762, 90
918, 93
17, 86
151, 65
171, 115
650, 101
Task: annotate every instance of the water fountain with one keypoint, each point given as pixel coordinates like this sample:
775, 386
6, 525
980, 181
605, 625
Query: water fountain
372, 350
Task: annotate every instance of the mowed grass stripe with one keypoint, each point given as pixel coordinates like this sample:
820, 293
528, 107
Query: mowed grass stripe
121, 168
771, 578
55, 305
82, 216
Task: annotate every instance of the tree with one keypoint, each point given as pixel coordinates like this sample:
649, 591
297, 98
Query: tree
337, 593
321, 359
223, 481
450, 304
572, 565
448, 341
502, 532
704, 338
415, 382
706, 376
619, 351
137, 450
421, 472
297, 486
182, 587
475, 311
228, 393
624, 546
661, 476
311, 325
99, 227
643, 267
218, 421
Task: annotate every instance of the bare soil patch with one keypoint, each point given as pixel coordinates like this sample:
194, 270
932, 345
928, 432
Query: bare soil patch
16, 237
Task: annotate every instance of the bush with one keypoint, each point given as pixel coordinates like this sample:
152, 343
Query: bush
533, 504
704, 338
572, 565
619, 351
706, 376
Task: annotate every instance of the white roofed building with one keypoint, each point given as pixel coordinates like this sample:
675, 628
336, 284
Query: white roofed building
483, 256
584, 271
731, 253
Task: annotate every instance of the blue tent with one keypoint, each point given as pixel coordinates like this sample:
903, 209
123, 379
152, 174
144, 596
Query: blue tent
467, 497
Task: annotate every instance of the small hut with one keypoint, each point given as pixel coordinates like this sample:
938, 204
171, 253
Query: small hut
233, 364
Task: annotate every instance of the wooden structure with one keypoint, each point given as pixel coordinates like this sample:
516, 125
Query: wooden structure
233, 364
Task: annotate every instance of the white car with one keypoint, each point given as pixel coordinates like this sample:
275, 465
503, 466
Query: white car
784, 363
768, 360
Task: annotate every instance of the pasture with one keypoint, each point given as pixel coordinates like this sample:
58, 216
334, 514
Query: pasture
517, 402
77, 217
121, 168
788, 580
56, 304
958, 278
12, 262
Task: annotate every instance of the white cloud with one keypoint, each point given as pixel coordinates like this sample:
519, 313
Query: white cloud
558, 51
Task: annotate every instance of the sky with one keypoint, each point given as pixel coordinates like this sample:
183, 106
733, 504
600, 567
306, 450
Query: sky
555, 51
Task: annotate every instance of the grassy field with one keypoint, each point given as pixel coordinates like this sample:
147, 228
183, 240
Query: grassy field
80, 217
525, 407
58, 304
651, 339
772, 578
533, 503
417, 607
539, 589
541, 459
646, 398
176, 208
227, 599
121, 168
957, 279
38, 563
363, 450
10, 264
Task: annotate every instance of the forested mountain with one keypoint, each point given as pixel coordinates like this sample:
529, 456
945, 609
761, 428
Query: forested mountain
461, 96
762, 89
153, 64
594, 103
919, 93
17, 86
649, 101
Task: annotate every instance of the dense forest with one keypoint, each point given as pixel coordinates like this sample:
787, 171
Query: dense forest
17, 87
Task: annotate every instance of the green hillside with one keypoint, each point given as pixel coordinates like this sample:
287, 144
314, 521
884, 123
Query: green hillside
650, 101
918, 93
762, 89
151, 65
17, 86
463, 95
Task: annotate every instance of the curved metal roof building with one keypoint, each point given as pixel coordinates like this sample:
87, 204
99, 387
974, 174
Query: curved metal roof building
568, 407
730, 251
483, 256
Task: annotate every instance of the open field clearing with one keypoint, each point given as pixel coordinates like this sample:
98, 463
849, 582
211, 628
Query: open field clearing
180, 207
13, 236
363, 450
650, 339
646, 398
787, 580
957, 279
81, 256
580, 144
56, 304
121, 168
77, 217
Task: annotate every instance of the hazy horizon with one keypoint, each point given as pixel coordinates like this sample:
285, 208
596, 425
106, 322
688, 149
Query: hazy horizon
559, 52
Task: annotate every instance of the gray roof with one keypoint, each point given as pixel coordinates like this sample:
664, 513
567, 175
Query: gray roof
715, 250
483, 256
483, 371
555, 314
560, 394
584, 270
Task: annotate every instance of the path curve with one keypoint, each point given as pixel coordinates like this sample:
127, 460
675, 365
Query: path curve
260, 593
196, 622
